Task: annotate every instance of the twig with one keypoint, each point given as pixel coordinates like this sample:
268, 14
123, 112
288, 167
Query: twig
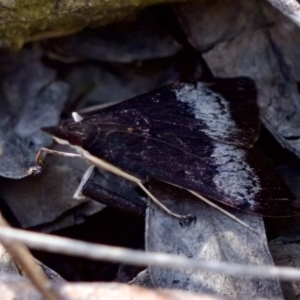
116, 254
290, 8
225, 212
94, 108
27, 263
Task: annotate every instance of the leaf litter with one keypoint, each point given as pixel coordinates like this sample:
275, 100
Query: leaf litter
34, 95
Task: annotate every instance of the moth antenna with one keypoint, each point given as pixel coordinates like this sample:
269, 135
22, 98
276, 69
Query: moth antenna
222, 210
76, 117
77, 195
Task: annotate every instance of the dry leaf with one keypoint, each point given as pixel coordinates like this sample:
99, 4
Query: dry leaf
42, 199
12, 288
31, 98
144, 37
254, 53
286, 252
213, 236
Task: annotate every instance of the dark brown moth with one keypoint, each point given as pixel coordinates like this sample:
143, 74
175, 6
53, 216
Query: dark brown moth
199, 136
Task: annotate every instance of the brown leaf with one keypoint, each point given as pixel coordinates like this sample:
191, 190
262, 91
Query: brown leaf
12, 288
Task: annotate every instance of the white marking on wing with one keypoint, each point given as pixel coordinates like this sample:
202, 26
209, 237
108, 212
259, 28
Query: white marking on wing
234, 176
209, 107
77, 117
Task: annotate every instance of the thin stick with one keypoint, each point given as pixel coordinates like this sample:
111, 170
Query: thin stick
290, 8
106, 166
117, 254
27, 263
77, 195
231, 216
95, 161
39, 156
212, 204
97, 107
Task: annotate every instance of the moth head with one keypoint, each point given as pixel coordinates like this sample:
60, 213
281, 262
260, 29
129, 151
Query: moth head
68, 132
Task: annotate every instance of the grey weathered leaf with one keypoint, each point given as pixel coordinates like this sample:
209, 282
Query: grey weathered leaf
31, 98
7, 264
286, 252
49, 196
277, 94
286, 35
51, 274
73, 216
256, 54
93, 84
288, 227
207, 23
144, 37
213, 236
142, 279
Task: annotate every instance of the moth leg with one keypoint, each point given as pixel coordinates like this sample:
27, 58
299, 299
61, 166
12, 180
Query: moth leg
113, 199
222, 210
78, 195
186, 219
39, 156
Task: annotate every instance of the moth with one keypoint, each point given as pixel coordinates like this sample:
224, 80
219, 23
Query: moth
199, 136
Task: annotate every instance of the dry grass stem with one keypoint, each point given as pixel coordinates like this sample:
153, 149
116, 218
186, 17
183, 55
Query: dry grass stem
116, 254
27, 263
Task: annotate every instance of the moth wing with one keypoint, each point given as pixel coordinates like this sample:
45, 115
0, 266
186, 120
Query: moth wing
224, 109
241, 178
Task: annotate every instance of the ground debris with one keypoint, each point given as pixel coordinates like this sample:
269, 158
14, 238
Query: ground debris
19, 288
31, 98
213, 236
